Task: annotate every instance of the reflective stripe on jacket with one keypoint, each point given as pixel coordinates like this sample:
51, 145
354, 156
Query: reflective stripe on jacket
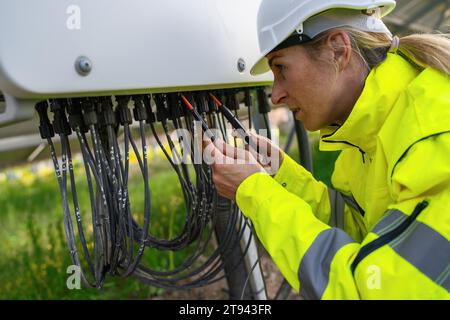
394, 175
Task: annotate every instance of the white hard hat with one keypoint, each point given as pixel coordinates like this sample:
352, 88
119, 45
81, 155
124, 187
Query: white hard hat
302, 20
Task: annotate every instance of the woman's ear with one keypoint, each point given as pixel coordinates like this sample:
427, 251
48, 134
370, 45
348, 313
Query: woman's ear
341, 47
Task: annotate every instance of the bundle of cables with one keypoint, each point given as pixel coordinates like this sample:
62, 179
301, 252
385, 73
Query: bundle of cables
111, 237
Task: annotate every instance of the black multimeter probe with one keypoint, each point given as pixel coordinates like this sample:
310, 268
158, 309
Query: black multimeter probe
198, 117
235, 123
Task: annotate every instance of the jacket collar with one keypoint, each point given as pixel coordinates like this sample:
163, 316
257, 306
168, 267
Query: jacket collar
382, 88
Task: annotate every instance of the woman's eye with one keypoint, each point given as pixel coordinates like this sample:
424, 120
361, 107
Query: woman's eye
280, 68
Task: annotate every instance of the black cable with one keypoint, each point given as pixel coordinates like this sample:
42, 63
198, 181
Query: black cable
115, 232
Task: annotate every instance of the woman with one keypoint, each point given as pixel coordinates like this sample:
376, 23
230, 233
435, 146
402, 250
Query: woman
385, 103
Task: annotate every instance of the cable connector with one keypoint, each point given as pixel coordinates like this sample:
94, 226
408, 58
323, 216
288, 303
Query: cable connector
248, 98
263, 104
107, 115
173, 103
139, 112
60, 123
45, 126
162, 114
147, 99
232, 101
123, 112
75, 115
89, 112
202, 102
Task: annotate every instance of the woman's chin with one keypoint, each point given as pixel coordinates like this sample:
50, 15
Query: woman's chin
300, 116
309, 126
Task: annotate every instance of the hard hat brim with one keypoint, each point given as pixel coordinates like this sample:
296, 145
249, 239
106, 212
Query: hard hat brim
261, 66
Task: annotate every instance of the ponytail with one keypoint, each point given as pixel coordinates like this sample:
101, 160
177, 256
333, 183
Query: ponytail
427, 50
421, 50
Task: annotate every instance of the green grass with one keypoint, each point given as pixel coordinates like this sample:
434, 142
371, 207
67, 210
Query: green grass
33, 253
34, 257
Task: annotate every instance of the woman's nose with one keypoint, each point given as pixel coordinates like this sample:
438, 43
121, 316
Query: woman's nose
278, 94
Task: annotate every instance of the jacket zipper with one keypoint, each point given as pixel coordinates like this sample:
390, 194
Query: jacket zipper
388, 237
345, 142
348, 200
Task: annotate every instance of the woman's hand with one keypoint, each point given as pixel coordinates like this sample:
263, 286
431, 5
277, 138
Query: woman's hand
230, 166
269, 154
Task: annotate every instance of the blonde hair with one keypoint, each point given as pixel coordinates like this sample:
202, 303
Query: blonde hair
421, 50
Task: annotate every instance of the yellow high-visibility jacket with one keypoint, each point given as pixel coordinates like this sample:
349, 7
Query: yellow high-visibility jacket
394, 176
